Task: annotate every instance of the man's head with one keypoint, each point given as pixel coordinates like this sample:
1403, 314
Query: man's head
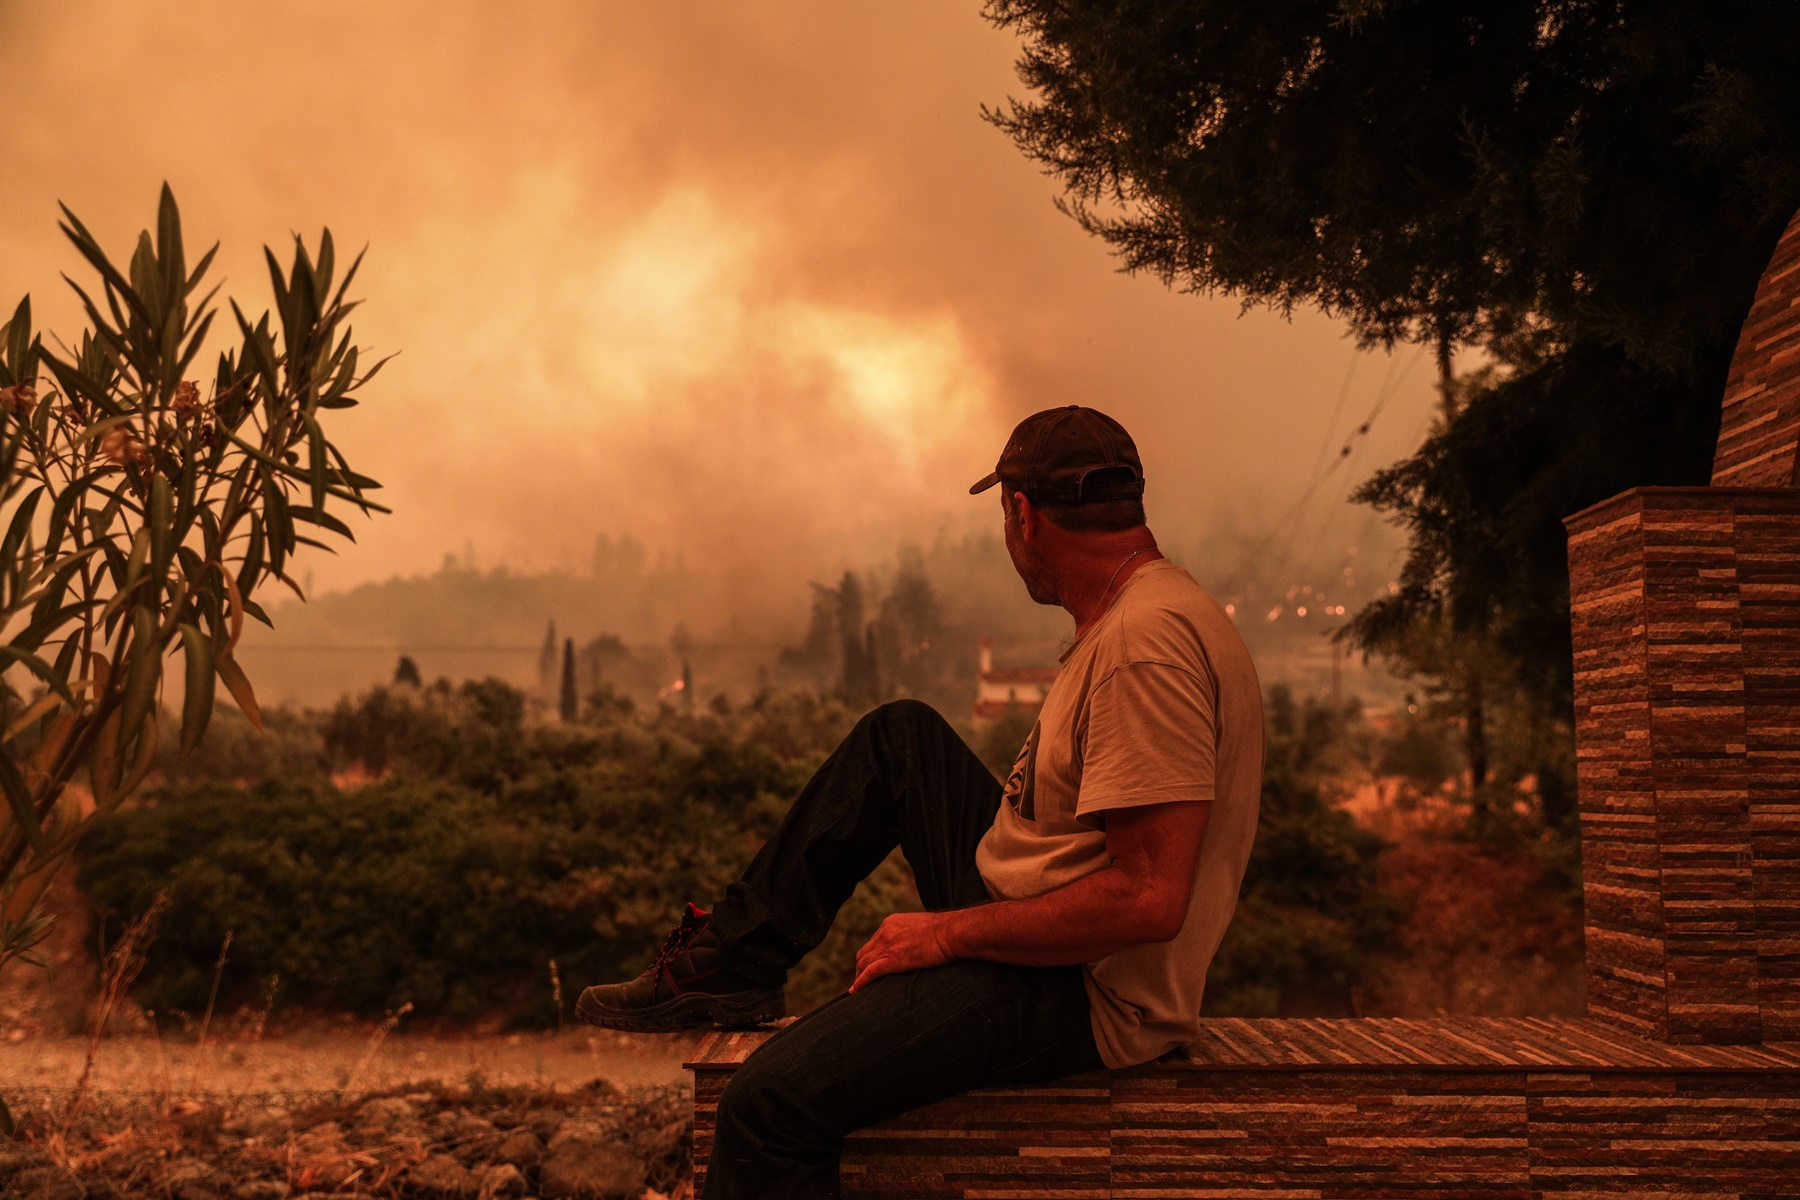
1072, 488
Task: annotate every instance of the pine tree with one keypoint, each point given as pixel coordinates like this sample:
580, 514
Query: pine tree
1588, 190
857, 679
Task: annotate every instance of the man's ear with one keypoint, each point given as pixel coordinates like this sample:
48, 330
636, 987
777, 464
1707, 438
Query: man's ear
1025, 515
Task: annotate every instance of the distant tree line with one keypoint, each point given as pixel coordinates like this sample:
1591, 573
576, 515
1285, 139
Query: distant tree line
867, 656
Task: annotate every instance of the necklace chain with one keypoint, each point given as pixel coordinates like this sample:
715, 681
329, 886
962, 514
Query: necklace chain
1107, 594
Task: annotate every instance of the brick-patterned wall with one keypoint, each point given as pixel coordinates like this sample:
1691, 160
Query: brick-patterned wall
1451, 1135
1686, 610
1760, 422
1321, 1133
1620, 865
1051, 1140
1768, 572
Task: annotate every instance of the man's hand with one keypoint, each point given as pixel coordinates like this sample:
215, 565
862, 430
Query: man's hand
905, 942
1142, 896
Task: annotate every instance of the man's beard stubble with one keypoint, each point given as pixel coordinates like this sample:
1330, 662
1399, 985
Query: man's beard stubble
1040, 582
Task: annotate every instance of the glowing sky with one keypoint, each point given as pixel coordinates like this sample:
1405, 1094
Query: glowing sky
750, 281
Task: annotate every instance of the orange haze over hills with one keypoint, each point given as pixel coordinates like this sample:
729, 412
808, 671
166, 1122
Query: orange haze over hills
751, 284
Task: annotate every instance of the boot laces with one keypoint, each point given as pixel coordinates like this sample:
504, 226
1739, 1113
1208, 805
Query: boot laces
693, 923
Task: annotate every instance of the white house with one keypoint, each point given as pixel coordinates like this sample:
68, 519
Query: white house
999, 690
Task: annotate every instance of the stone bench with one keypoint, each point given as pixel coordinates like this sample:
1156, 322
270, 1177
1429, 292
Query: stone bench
1347, 1108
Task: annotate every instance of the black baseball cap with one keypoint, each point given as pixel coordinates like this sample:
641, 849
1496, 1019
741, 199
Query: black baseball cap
1070, 455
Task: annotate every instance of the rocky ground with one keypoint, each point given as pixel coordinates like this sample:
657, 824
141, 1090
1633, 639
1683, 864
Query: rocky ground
308, 1108
462, 1142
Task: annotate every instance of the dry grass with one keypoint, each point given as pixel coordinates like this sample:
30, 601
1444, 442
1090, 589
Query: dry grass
380, 1035
123, 963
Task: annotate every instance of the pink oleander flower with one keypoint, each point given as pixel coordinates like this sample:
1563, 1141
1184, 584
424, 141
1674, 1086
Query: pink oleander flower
187, 399
121, 445
19, 400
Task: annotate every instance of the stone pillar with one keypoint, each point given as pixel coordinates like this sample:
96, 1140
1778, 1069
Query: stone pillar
1768, 570
1686, 614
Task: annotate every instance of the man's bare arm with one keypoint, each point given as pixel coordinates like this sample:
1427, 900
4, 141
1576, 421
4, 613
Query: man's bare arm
1142, 896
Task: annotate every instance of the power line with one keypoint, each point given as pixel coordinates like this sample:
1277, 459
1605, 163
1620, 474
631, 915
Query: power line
1337, 411
1358, 436
1346, 455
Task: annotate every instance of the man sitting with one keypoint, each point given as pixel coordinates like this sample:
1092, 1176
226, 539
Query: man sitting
1070, 916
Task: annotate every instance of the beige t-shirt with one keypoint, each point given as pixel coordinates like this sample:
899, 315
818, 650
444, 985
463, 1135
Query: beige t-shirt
1156, 703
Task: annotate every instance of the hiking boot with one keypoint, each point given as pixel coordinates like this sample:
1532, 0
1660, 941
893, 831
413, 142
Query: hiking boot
687, 986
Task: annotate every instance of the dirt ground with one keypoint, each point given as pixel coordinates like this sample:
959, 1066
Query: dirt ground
353, 1060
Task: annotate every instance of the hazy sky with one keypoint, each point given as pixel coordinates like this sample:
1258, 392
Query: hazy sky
754, 281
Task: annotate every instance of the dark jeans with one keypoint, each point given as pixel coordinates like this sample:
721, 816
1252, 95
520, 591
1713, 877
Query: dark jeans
902, 778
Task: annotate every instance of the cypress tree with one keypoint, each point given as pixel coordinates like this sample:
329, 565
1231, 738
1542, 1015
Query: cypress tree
569, 705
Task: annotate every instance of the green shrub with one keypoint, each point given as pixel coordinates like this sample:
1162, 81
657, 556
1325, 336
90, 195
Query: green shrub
475, 732
1421, 752
289, 745
495, 844
440, 894
1311, 910
999, 744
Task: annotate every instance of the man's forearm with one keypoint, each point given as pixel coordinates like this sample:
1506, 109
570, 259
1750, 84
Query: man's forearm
1141, 897
1081, 922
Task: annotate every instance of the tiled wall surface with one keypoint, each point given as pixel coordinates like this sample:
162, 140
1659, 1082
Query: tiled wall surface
1760, 426
1686, 609
1449, 1135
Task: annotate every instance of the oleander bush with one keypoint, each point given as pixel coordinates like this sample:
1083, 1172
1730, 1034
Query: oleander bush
146, 508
